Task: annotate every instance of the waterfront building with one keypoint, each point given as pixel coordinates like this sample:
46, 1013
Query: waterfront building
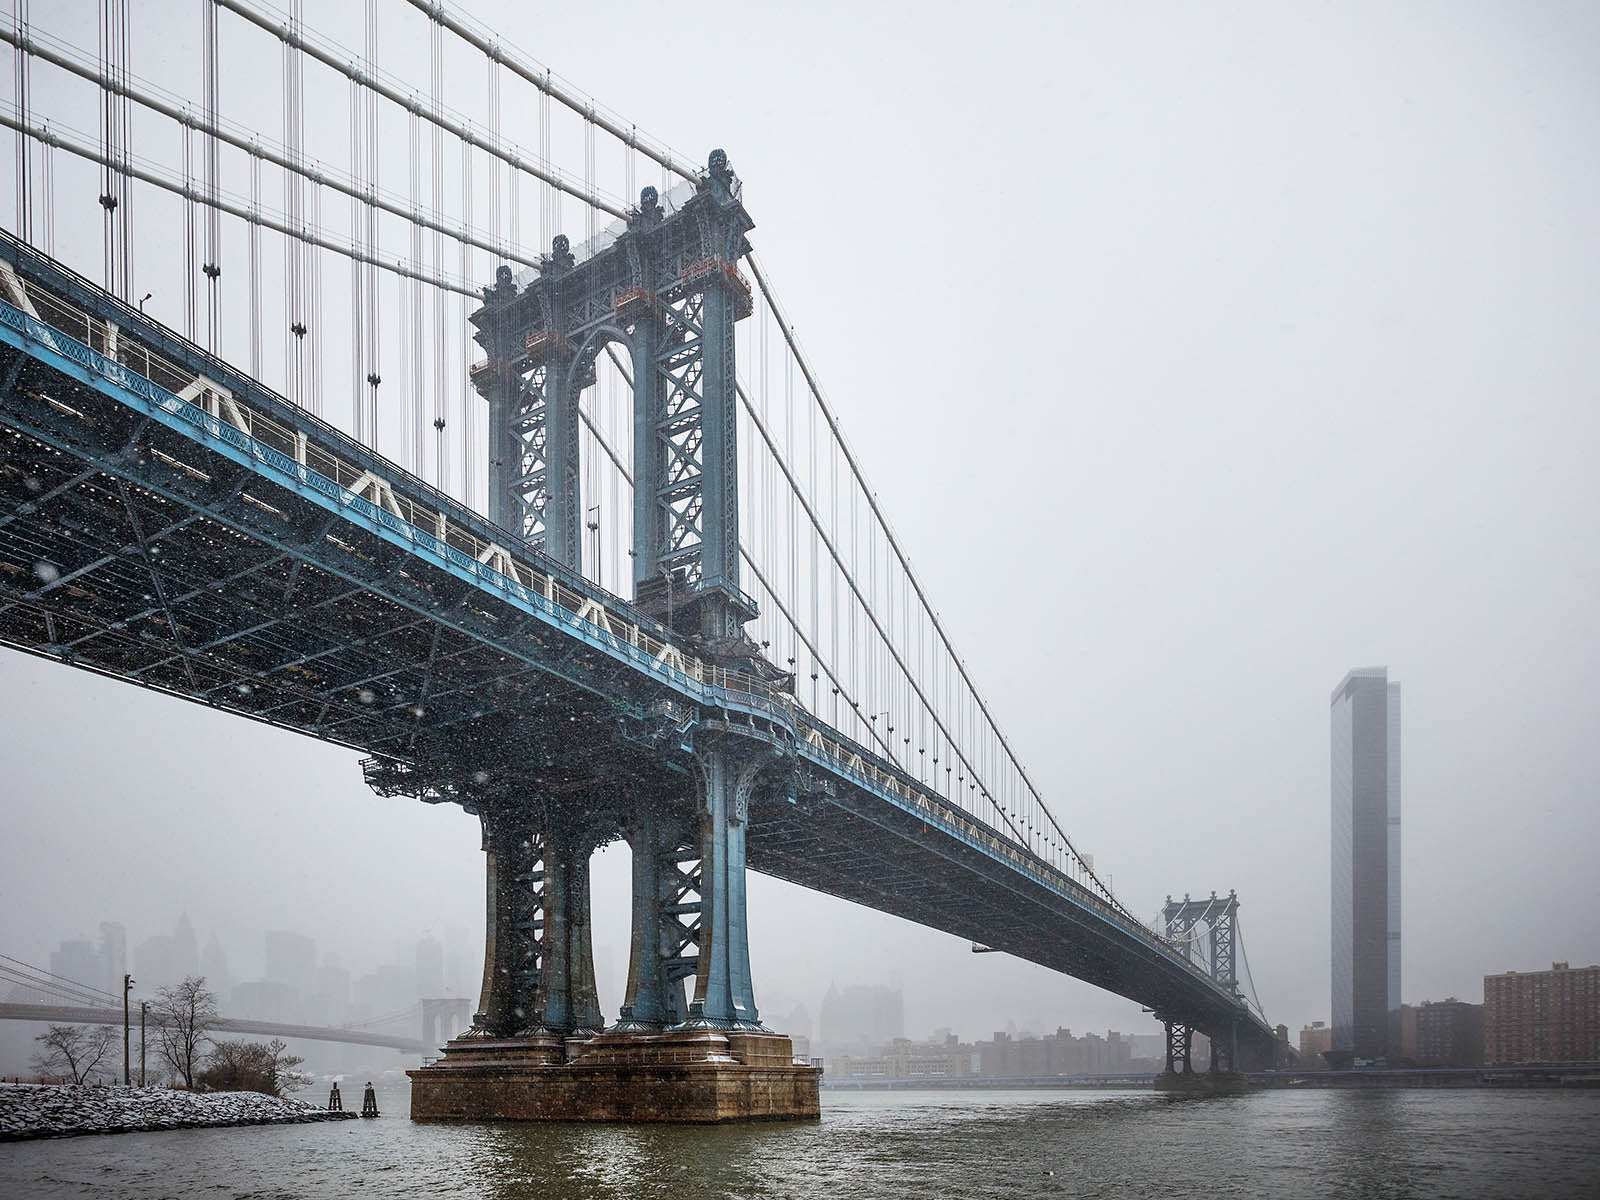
1449, 1033
905, 1059
1542, 1016
1316, 1039
1408, 1033
1058, 1053
1365, 713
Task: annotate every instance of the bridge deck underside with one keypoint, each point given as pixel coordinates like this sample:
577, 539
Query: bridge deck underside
126, 550
130, 549
889, 860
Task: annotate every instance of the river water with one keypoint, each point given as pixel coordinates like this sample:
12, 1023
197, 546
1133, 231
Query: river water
1357, 1144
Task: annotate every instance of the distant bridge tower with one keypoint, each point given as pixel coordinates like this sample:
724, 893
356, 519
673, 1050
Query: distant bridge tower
1220, 917
443, 1018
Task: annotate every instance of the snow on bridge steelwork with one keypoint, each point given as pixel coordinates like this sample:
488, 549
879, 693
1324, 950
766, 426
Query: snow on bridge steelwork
169, 522
436, 571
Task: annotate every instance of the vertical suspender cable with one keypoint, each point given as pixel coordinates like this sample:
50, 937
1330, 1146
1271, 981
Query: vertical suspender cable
588, 167
125, 176
458, 379
374, 315
313, 256
293, 259
440, 351
22, 79
255, 266
48, 201
191, 212
108, 194
418, 361
358, 234
213, 263
547, 197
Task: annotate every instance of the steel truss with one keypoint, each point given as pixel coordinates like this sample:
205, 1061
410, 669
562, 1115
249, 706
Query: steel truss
666, 289
177, 553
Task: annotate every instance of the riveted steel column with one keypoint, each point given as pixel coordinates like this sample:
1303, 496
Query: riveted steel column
719, 455
649, 456
563, 525
654, 997
568, 998
514, 886
497, 381
723, 995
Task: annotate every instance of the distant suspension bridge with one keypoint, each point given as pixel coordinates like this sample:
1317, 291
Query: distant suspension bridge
34, 994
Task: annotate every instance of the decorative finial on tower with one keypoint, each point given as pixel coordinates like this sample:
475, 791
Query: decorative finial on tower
503, 288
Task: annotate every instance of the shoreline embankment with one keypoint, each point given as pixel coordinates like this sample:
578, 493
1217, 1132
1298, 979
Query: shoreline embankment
33, 1110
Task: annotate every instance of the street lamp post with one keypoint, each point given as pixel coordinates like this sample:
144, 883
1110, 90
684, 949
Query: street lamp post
127, 986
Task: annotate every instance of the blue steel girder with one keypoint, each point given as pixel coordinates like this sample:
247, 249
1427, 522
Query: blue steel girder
69, 407
364, 583
605, 643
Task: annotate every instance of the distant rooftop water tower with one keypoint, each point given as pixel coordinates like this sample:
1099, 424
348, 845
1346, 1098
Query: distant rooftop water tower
1366, 867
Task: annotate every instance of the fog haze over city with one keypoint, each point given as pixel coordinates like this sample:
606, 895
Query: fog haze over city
1195, 364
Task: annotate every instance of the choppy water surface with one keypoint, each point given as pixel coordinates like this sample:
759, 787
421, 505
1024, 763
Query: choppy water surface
887, 1144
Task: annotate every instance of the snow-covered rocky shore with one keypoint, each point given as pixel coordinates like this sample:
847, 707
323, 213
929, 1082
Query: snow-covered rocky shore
57, 1110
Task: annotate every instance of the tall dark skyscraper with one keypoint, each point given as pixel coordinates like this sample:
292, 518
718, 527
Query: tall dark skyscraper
1366, 866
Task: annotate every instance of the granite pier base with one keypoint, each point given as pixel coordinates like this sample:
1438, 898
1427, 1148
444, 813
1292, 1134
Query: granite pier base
1203, 1083
695, 1076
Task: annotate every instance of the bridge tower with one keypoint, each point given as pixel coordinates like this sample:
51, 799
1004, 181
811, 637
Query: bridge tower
1219, 917
662, 287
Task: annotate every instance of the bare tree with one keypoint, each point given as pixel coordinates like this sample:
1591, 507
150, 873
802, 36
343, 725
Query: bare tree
184, 1016
253, 1067
74, 1050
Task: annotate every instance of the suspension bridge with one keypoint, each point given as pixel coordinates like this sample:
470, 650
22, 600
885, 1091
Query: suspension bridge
34, 994
566, 533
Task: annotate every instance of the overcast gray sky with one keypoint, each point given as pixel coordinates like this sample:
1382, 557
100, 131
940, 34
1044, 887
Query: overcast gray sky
1199, 353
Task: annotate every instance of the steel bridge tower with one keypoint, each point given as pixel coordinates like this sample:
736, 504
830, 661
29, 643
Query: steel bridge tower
1219, 916
663, 287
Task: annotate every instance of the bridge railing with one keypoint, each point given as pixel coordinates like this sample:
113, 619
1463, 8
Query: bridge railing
606, 617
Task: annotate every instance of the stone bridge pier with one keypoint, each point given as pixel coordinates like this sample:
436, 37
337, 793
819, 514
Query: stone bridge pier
1223, 1077
539, 1047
